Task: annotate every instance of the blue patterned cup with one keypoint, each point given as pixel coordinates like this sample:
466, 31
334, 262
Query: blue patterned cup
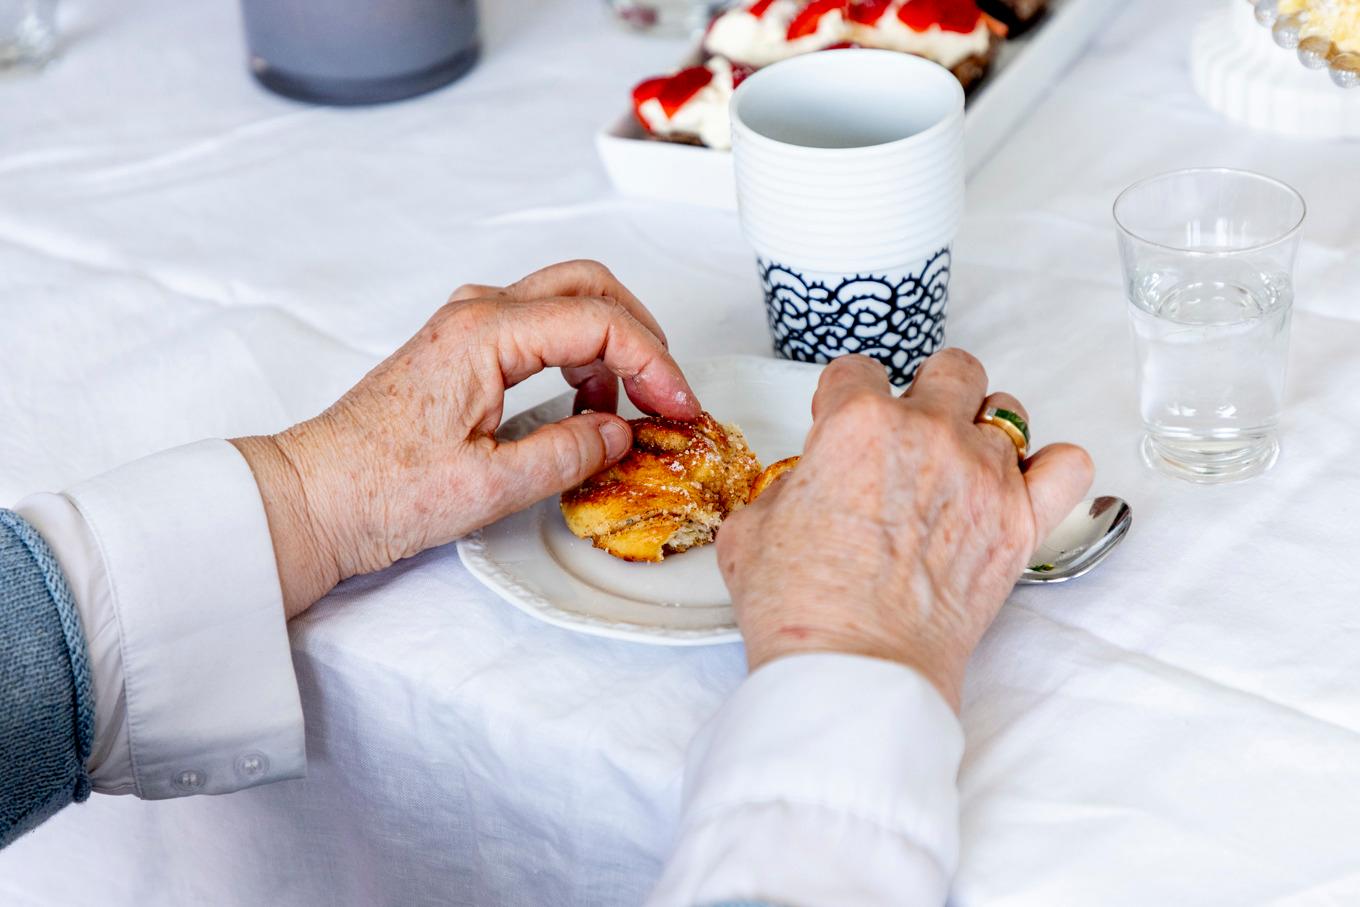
895, 315
849, 167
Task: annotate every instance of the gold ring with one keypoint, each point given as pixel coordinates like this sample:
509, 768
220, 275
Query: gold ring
1015, 427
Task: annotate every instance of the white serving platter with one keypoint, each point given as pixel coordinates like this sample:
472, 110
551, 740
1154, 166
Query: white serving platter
1024, 68
532, 560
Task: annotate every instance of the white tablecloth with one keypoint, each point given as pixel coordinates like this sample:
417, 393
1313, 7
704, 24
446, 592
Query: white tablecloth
183, 255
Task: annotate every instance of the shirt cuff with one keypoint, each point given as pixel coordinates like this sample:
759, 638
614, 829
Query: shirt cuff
826, 779
109, 764
173, 571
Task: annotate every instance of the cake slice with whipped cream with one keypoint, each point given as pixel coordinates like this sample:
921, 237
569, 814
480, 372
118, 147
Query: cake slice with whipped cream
950, 32
761, 32
954, 33
691, 105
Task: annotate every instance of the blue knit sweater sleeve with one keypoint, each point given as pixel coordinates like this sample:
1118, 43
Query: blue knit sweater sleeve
46, 699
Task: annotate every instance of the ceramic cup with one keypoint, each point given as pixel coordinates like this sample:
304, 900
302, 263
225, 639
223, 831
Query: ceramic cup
849, 167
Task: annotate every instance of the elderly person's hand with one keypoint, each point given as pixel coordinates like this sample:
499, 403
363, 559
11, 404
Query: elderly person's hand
904, 526
408, 458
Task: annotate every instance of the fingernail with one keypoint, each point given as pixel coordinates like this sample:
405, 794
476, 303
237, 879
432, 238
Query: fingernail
685, 400
616, 439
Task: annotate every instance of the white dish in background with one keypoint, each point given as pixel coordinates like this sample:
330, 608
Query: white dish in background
532, 560
1241, 73
1024, 68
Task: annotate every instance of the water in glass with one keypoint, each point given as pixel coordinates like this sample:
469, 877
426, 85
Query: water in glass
1211, 357
1208, 256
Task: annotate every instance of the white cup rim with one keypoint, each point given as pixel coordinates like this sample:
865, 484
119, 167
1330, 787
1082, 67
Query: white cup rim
848, 57
943, 138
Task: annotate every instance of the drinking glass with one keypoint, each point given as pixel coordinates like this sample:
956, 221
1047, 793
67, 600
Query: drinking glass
1208, 259
28, 32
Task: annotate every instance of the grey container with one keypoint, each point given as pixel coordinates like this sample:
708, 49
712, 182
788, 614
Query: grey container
359, 51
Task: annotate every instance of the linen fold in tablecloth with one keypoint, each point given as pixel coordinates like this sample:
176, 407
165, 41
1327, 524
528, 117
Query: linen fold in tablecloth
184, 256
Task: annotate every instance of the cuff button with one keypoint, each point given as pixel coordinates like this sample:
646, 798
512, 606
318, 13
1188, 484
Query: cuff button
252, 766
190, 780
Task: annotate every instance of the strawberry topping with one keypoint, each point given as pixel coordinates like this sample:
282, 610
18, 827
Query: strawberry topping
682, 86
673, 91
867, 12
760, 7
805, 23
949, 15
649, 90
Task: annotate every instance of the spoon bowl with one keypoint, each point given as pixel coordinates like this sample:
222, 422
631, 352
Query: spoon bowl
1081, 541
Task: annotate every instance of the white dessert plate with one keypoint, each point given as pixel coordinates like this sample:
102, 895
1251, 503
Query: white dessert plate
532, 561
1023, 70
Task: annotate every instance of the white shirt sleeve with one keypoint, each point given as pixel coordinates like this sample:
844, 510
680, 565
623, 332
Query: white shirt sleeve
825, 780
172, 567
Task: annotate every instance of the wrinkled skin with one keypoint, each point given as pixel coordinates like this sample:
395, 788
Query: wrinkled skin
902, 529
408, 458
898, 535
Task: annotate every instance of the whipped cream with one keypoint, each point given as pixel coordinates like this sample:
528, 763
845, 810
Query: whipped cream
760, 41
948, 48
704, 115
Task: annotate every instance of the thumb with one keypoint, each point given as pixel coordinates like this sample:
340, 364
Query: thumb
557, 457
1057, 477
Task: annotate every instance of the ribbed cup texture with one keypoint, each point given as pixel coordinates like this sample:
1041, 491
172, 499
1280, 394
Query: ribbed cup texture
849, 209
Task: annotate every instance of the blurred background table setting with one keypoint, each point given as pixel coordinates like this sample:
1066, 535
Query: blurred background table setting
251, 205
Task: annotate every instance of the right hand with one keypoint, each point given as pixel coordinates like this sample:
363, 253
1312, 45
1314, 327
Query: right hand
903, 528
409, 457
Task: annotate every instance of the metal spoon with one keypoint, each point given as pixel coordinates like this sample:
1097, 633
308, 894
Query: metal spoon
1082, 540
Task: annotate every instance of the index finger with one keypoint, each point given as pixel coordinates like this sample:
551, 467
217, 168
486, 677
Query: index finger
583, 278
569, 332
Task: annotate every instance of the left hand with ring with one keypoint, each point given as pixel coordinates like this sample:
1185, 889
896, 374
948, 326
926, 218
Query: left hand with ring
904, 526
408, 458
